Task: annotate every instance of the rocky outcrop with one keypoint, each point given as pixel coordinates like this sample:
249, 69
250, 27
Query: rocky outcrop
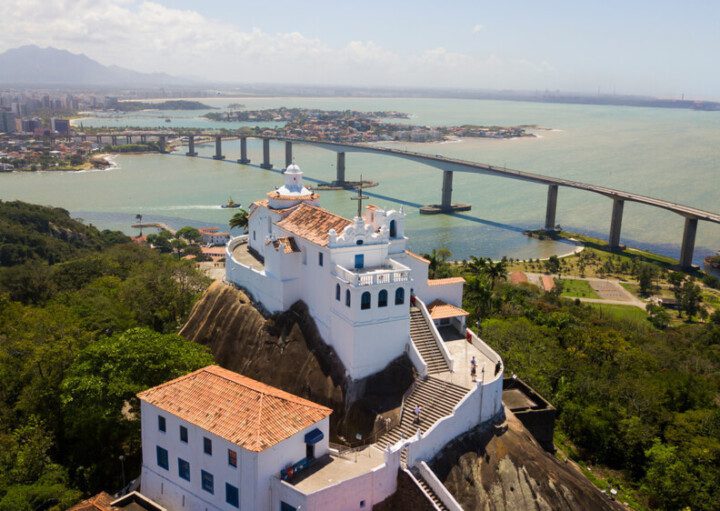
509, 471
286, 351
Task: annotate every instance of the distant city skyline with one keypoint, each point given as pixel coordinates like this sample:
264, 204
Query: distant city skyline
662, 48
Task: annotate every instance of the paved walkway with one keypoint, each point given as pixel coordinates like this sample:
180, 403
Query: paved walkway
609, 290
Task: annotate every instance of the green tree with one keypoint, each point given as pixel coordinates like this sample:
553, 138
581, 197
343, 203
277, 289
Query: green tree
239, 220
552, 264
658, 316
690, 298
99, 396
189, 234
646, 275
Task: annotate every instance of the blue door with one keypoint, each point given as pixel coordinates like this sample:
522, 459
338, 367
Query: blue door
359, 261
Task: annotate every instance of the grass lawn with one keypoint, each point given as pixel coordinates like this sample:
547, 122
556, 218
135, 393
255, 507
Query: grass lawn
621, 311
578, 288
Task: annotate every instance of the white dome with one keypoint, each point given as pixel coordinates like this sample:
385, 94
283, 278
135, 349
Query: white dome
293, 168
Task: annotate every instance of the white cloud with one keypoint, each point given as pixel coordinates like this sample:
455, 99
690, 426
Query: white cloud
147, 36
478, 28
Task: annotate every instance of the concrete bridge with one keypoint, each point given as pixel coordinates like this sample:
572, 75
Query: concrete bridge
449, 166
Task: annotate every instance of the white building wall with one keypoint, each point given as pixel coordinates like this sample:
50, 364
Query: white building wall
252, 476
448, 293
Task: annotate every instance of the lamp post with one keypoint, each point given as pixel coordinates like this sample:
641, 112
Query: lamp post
122, 468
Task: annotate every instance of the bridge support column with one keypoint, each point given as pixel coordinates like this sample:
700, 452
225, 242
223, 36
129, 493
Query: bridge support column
143, 139
688, 242
266, 154
218, 148
446, 203
98, 139
161, 143
191, 146
83, 138
288, 154
616, 223
114, 139
340, 170
551, 207
243, 151
128, 139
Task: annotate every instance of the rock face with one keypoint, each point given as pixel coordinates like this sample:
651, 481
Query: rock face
286, 351
511, 472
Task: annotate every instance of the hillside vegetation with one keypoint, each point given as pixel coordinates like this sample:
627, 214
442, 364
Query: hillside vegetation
638, 401
87, 320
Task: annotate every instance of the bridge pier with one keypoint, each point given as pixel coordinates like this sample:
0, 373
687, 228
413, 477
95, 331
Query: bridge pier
243, 151
143, 139
128, 139
616, 223
161, 144
288, 153
218, 148
266, 154
191, 146
551, 208
446, 202
340, 169
113, 138
688, 242
98, 139
83, 138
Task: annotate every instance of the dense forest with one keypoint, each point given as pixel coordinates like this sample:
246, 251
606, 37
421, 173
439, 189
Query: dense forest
637, 399
87, 320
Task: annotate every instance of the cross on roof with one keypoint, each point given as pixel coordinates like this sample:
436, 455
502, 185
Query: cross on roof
360, 197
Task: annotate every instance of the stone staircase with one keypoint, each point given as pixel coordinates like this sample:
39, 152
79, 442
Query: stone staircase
424, 340
437, 399
429, 492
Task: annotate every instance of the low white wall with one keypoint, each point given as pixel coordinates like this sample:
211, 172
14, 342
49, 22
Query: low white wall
416, 359
438, 487
436, 334
357, 494
448, 293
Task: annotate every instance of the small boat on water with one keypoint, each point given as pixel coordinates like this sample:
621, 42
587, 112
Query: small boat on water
168, 120
231, 204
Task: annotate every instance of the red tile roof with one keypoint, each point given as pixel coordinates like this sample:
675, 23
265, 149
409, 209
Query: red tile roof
100, 502
237, 408
418, 257
290, 244
446, 282
313, 223
442, 310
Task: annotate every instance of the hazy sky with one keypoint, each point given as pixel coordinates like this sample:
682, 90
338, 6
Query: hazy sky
657, 47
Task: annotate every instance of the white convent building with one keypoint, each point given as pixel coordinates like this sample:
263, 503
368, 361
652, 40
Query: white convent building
356, 276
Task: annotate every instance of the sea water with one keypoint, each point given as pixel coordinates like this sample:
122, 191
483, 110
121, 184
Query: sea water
664, 153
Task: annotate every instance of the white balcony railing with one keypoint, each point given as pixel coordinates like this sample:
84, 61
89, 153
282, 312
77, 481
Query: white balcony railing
387, 274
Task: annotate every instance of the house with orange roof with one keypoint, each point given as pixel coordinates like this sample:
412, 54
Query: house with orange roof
215, 440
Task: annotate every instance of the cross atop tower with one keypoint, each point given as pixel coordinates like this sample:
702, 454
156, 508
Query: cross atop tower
360, 197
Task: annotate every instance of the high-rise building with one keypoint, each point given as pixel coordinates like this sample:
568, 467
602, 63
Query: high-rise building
61, 126
7, 122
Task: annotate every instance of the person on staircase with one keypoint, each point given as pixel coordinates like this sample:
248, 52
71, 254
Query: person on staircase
418, 410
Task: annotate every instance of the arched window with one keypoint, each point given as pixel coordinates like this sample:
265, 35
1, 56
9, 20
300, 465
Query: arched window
347, 298
337, 292
365, 300
359, 242
400, 296
382, 298
393, 229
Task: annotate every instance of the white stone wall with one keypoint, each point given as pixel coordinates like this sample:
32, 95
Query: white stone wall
360, 493
252, 476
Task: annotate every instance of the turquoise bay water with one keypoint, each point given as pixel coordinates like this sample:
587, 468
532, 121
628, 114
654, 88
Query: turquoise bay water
671, 154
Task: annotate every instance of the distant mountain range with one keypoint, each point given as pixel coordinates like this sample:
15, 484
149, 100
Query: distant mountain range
32, 65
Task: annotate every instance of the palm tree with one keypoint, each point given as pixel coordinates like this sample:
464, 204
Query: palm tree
138, 217
240, 219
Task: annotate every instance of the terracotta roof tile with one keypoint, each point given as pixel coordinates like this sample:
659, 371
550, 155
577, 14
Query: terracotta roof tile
313, 223
416, 256
446, 282
100, 502
290, 245
237, 408
442, 310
